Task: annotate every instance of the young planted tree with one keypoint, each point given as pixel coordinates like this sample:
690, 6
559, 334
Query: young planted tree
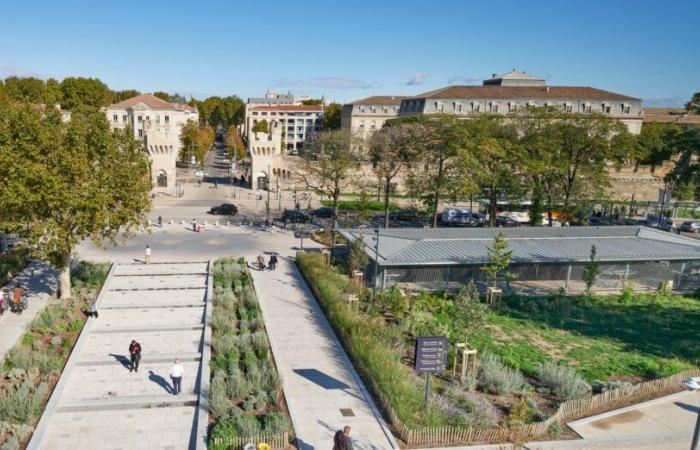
496, 269
67, 182
357, 257
590, 271
261, 127
327, 163
391, 149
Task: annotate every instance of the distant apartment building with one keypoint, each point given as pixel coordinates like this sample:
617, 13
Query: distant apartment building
513, 91
297, 122
158, 124
364, 116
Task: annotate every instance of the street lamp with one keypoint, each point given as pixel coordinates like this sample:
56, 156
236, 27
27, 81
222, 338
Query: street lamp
376, 262
693, 384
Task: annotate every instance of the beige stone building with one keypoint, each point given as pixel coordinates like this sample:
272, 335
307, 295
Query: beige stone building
158, 124
513, 91
365, 116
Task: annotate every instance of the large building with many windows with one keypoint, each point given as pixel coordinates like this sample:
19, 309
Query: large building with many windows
158, 124
364, 116
513, 91
297, 123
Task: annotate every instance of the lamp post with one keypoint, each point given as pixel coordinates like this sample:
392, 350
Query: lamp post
267, 204
376, 262
693, 384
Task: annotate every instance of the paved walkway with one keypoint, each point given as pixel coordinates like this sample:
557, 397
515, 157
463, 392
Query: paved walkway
98, 403
322, 389
41, 282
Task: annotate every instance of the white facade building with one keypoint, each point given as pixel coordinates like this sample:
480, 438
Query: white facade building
158, 124
365, 116
297, 123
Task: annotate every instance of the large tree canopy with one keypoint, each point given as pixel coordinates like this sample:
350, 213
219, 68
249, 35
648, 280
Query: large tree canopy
66, 182
331, 116
78, 91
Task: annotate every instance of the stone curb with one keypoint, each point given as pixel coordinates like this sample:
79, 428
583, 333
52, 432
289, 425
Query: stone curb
202, 417
52, 404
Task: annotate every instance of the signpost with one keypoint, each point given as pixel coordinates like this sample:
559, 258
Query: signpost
301, 234
430, 356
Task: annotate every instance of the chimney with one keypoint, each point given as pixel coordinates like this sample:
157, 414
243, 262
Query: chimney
494, 75
547, 88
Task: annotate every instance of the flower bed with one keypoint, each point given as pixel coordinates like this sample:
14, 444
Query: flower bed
496, 403
246, 398
33, 366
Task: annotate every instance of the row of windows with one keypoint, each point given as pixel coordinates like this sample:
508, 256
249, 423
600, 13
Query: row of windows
384, 109
274, 113
495, 107
125, 118
282, 173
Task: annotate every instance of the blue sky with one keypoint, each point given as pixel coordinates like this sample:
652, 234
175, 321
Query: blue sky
353, 49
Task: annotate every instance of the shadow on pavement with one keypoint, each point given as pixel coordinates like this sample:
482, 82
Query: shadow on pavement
160, 381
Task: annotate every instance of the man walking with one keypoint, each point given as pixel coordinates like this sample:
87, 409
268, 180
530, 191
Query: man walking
341, 440
273, 262
194, 224
135, 352
93, 309
148, 255
176, 374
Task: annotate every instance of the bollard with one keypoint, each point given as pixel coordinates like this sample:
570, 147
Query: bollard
216, 223
182, 222
228, 223
171, 222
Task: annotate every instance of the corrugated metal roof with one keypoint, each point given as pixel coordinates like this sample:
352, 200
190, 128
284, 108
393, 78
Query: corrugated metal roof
416, 246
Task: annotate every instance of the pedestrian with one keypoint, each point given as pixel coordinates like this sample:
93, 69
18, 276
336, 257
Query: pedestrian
273, 262
176, 374
261, 262
93, 309
17, 299
147, 259
341, 440
216, 184
135, 353
160, 221
194, 224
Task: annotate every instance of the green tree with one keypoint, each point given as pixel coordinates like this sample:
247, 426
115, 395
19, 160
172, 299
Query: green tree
391, 149
25, 89
657, 142
312, 102
118, 96
469, 313
67, 182
357, 257
693, 106
196, 141
688, 166
685, 190
78, 91
235, 148
536, 208
261, 127
331, 116
590, 270
327, 164
52, 94
162, 95
499, 256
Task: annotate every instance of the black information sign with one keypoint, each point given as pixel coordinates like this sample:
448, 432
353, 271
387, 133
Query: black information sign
431, 353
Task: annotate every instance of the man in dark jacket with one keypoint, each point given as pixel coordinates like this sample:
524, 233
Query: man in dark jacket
135, 352
341, 440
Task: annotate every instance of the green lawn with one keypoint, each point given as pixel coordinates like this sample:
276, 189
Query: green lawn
646, 335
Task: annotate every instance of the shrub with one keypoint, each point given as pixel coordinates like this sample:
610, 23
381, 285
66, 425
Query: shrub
37, 345
562, 380
247, 425
598, 387
223, 431
24, 404
555, 428
224, 344
423, 323
222, 321
56, 341
219, 402
276, 423
48, 320
21, 358
92, 274
28, 338
11, 444
75, 326
237, 385
497, 378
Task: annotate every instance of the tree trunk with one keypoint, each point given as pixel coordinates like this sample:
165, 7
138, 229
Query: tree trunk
64, 278
386, 204
334, 226
436, 201
549, 211
493, 201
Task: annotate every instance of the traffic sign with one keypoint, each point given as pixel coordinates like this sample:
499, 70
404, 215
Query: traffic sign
431, 353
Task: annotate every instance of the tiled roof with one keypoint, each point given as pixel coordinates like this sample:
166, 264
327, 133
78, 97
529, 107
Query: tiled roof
411, 247
152, 102
288, 108
524, 92
670, 115
393, 100
516, 75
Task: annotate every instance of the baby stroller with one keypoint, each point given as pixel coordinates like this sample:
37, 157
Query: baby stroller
5, 300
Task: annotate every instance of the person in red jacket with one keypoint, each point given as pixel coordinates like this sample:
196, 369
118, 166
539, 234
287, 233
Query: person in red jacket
135, 352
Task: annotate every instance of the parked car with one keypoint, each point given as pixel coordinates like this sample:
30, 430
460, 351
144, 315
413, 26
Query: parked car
323, 212
295, 216
663, 223
505, 221
404, 214
457, 217
691, 226
224, 209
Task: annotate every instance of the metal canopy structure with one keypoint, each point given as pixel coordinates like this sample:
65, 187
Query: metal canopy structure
553, 257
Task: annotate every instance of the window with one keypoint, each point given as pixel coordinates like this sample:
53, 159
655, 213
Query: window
263, 113
385, 110
255, 113
362, 125
158, 119
512, 107
475, 107
140, 132
373, 125
167, 119
374, 110
115, 118
494, 108
140, 119
148, 117
362, 109
626, 108
585, 107
606, 108
273, 113
439, 106
124, 118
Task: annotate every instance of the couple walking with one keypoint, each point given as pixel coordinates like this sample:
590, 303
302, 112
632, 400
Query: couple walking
176, 372
272, 265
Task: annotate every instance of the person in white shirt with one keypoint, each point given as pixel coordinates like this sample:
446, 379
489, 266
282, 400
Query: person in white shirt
148, 254
176, 374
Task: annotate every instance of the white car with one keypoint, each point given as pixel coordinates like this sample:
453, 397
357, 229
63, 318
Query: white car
226, 161
199, 173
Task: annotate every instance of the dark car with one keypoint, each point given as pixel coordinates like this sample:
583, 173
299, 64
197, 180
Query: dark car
505, 221
324, 212
224, 209
404, 214
662, 223
295, 216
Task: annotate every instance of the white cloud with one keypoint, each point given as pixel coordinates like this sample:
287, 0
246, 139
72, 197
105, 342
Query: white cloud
465, 79
417, 78
327, 83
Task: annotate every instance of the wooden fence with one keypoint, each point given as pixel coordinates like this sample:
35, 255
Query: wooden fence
567, 411
275, 441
